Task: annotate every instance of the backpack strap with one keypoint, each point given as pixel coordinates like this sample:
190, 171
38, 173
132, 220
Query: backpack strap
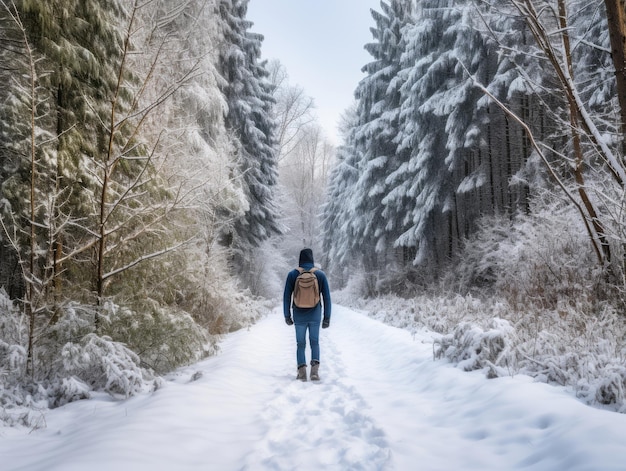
302, 270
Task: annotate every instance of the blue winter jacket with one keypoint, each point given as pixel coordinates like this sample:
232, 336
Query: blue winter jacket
306, 262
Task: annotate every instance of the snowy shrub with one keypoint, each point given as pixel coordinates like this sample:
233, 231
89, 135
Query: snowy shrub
610, 388
473, 348
74, 321
163, 339
22, 406
12, 360
104, 365
580, 345
68, 390
542, 258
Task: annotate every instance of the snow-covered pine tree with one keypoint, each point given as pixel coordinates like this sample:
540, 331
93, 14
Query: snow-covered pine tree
21, 150
338, 214
80, 43
26, 176
421, 187
247, 90
378, 110
442, 188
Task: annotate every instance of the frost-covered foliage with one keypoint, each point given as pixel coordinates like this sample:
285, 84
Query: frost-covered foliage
119, 180
582, 349
102, 364
541, 259
123, 359
473, 348
163, 338
524, 300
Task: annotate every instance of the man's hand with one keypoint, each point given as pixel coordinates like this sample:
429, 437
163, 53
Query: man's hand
288, 321
325, 323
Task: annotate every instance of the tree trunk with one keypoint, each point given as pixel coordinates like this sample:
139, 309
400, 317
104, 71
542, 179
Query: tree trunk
616, 20
598, 226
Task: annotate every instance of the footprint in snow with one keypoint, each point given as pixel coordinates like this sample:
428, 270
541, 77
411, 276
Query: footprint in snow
313, 425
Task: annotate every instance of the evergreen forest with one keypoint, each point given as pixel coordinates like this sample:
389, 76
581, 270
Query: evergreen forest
158, 178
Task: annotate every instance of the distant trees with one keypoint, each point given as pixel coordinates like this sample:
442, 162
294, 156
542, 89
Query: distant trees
292, 111
305, 159
304, 174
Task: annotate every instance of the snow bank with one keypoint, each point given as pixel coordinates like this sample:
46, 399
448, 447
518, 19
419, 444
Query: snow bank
584, 352
382, 404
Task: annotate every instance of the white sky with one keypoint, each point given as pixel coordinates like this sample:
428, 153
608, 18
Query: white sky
320, 43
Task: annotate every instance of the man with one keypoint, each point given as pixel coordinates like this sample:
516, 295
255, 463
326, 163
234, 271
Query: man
307, 316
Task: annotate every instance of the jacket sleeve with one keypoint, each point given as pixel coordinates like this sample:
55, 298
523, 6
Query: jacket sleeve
289, 285
326, 296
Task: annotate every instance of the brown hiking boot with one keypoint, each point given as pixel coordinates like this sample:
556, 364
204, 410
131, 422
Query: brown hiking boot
301, 373
315, 366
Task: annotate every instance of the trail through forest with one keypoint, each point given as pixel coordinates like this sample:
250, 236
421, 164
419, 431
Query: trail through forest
382, 404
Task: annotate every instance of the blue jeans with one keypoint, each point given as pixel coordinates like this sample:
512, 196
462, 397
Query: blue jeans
312, 323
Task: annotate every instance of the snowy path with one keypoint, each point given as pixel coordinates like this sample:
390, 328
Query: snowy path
382, 404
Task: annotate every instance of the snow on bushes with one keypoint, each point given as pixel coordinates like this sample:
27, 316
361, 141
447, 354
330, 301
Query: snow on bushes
473, 348
581, 347
68, 390
132, 347
525, 297
163, 338
610, 387
71, 360
103, 364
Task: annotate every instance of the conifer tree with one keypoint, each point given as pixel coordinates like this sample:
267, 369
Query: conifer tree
249, 120
339, 218
79, 43
440, 128
378, 113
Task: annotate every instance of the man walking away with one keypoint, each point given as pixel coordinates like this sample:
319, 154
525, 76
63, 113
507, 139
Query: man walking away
306, 291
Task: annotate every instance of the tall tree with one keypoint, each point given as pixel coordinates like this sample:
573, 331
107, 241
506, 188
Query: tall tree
439, 130
50, 181
378, 113
338, 212
81, 42
249, 118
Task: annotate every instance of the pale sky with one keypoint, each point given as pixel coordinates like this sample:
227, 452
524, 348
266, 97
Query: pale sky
320, 43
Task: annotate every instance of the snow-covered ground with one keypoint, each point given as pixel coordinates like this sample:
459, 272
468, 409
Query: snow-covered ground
382, 404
